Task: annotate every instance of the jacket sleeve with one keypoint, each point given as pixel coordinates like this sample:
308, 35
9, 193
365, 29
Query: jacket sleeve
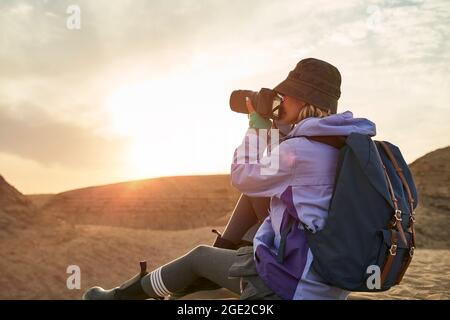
259, 175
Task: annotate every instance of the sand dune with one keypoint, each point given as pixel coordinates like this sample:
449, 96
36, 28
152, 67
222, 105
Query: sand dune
432, 178
17, 211
169, 203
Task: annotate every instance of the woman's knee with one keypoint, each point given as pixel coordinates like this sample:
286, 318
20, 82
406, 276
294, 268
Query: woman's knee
198, 256
200, 251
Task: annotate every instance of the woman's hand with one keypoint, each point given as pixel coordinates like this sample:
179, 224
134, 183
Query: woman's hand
249, 104
256, 120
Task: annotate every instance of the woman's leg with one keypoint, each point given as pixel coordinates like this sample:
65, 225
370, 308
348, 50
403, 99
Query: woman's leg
247, 212
202, 262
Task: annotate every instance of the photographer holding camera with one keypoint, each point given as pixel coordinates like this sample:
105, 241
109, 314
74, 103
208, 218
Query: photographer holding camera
297, 196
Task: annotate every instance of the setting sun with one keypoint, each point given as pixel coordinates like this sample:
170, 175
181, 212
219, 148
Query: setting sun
132, 108
134, 112
168, 123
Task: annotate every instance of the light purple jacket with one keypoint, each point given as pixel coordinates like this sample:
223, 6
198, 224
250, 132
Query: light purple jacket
300, 188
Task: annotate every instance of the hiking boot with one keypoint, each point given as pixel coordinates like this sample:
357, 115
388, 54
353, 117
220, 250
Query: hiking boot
129, 290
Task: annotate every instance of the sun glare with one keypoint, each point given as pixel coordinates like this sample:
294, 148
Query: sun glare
131, 108
146, 113
153, 115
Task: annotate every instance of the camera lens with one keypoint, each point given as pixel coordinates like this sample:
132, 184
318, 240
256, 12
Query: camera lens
237, 100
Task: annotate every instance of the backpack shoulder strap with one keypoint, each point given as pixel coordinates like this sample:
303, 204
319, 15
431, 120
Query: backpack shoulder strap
400, 174
335, 141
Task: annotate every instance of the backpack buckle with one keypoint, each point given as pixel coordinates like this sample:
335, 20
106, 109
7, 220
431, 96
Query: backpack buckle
411, 251
393, 250
398, 215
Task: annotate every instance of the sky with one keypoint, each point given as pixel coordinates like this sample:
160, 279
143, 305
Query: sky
141, 88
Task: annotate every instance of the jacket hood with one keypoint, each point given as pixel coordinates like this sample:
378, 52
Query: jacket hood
339, 124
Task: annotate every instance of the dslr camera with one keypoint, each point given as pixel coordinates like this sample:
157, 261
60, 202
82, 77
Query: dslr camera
267, 102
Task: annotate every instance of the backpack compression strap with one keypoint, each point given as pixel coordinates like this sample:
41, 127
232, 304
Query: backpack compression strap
410, 230
395, 224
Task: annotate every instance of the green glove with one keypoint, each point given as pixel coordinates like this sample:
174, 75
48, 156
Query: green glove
258, 122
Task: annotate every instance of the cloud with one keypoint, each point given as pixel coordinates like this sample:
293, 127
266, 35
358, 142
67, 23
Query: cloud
393, 54
35, 135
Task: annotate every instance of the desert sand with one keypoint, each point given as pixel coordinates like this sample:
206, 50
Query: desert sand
107, 230
37, 262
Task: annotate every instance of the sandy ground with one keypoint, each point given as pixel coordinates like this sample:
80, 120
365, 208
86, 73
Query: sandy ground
107, 230
34, 263
428, 277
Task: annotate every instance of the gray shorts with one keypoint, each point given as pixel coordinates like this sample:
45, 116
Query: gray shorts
252, 286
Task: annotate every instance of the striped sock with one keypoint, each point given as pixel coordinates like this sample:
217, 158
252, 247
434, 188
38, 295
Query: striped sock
153, 284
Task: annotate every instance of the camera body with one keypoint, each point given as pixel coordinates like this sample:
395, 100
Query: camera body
266, 102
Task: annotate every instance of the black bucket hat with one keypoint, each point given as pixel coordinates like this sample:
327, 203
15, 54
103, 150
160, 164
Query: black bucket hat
314, 81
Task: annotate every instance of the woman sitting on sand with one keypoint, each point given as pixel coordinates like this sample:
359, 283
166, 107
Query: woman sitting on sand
278, 265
